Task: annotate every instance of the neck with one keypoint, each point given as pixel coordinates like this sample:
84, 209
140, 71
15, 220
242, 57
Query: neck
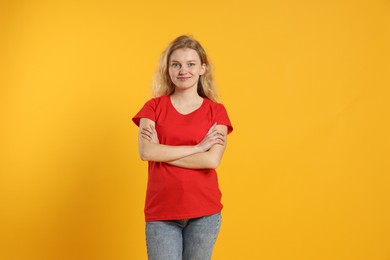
186, 96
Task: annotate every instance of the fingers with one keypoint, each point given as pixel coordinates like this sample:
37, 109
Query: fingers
150, 130
217, 134
146, 130
147, 138
217, 137
149, 133
146, 135
213, 137
212, 128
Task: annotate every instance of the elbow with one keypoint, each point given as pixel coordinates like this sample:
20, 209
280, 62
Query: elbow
214, 164
144, 156
147, 154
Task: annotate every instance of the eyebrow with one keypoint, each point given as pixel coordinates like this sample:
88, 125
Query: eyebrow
186, 61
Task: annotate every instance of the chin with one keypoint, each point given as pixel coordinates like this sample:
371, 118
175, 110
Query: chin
185, 85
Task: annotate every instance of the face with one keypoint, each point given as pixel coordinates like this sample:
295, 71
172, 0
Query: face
185, 68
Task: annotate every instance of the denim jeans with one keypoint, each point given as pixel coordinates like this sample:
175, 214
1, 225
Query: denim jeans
187, 239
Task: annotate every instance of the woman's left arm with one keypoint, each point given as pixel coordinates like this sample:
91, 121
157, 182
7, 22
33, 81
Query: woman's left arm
205, 160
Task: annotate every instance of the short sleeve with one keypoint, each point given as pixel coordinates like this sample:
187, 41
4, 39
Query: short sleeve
147, 111
222, 118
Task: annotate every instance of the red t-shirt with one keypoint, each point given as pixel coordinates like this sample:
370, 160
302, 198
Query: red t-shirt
174, 192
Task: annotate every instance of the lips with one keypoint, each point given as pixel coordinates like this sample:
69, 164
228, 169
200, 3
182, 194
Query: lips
183, 78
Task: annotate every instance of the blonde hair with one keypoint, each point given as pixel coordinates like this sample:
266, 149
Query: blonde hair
162, 84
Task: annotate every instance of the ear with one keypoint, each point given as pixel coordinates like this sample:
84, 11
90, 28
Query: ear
203, 69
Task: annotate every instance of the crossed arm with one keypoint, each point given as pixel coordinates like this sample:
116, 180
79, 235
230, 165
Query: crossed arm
205, 155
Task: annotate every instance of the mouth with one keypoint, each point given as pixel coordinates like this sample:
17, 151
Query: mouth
183, 78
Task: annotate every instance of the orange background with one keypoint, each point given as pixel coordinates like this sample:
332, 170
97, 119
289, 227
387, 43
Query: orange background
306, 84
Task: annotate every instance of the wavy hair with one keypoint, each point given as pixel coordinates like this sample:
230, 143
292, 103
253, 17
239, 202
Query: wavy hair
162, 84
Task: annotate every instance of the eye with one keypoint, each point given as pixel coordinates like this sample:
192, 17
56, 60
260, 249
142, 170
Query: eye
191, 64
175, 65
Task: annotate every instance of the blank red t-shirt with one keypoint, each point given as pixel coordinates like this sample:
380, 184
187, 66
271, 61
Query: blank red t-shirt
174, 192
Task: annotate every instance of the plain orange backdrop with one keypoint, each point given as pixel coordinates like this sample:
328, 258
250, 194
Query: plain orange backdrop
306, 173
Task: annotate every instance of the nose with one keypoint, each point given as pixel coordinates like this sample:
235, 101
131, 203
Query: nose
182, 71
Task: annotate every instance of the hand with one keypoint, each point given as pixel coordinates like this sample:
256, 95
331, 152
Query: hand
149, 133
212, 137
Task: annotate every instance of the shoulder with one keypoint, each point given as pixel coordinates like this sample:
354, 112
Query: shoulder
156, 101
213, 105
219, 114
151, 109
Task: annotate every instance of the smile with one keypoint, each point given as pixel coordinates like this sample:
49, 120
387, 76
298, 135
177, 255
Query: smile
183, 78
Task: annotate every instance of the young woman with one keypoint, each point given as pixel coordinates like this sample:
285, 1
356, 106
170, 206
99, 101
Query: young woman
182, 133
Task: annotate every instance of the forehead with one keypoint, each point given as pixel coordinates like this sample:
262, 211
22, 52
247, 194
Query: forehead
184, 54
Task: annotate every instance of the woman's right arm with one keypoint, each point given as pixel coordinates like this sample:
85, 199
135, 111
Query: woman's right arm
151, 150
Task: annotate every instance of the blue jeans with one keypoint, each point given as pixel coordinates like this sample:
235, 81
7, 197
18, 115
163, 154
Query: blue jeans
187, 239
